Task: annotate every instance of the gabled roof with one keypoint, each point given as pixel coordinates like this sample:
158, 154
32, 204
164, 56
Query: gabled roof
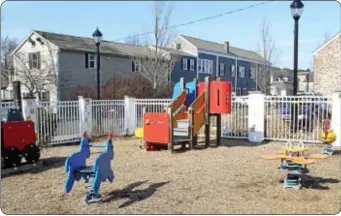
84, 44
220, 48
75, 43
326, 43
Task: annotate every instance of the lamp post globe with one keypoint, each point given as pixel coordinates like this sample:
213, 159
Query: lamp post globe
296, 9
97, 36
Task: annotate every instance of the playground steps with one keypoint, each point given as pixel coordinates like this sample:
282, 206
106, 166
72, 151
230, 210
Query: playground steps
182, 129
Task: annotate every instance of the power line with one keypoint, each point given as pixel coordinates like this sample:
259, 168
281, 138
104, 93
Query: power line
202, 19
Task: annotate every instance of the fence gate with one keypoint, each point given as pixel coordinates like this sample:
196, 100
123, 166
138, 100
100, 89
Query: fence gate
310, 111
108, 116
235, 124
58, 122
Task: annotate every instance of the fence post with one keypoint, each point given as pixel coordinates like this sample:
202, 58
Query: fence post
30, 112
85, 115
29, 109
256, 113
129, 115
336, 116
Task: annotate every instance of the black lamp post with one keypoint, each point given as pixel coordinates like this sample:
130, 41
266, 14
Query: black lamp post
97, 35
296, 11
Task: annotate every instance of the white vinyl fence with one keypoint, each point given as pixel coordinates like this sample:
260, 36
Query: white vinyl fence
151, 105
306, 127
63, 122
58, 122
108, 116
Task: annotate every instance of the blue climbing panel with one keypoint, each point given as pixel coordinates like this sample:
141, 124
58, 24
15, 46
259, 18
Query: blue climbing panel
191, 91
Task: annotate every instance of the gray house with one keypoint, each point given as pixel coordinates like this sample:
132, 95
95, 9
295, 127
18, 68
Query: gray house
66, 62
240, 66
63, 62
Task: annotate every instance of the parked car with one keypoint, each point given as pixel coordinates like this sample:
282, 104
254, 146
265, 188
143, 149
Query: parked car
240, 100
310, 111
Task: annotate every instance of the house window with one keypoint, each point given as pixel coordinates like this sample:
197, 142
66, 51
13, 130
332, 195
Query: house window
90, 60
136, 67
241, 71
221, 69
205, 66
184, 64
233, 70
34, 60
44, 96
253, 73
191, 64
285, 79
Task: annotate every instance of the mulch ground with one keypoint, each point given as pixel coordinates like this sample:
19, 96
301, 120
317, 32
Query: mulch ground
231, 179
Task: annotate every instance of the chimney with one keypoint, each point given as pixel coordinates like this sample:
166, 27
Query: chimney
227, 46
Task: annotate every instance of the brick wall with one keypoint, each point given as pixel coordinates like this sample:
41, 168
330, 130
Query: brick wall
327, 69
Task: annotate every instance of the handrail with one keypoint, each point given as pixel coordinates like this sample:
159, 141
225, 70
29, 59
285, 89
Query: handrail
177, 102
181, 114
198, 113
199, 120
199, 102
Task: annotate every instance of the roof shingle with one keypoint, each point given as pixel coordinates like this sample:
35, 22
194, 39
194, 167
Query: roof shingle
74, 43
220, 48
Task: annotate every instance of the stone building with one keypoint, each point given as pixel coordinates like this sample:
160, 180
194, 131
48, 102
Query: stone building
327, 66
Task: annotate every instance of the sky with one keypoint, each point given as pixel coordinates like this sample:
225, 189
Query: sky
119, 19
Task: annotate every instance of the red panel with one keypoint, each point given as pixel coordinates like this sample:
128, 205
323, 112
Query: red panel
19, 134
220, 97
156, 128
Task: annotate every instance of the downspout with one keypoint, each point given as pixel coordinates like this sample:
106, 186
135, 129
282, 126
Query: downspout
236, 76
197, 67
217, 66
256, 77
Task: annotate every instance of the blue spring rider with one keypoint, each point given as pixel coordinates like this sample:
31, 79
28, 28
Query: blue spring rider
76, 169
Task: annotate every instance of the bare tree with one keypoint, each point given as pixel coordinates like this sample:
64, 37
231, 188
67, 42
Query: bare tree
7, 46
37, 71
151, 57
267, 49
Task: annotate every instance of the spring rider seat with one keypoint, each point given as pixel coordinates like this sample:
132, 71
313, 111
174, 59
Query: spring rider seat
76, 169
328, 137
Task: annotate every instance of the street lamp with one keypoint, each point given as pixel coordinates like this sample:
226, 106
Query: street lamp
97, 35
296, 11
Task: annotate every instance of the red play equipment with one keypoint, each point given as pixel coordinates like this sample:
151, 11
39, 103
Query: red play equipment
18, 137
179, 125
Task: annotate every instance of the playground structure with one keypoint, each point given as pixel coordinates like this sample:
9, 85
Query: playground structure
328, 136
18, 137
296, 157
192, 107
76, 169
